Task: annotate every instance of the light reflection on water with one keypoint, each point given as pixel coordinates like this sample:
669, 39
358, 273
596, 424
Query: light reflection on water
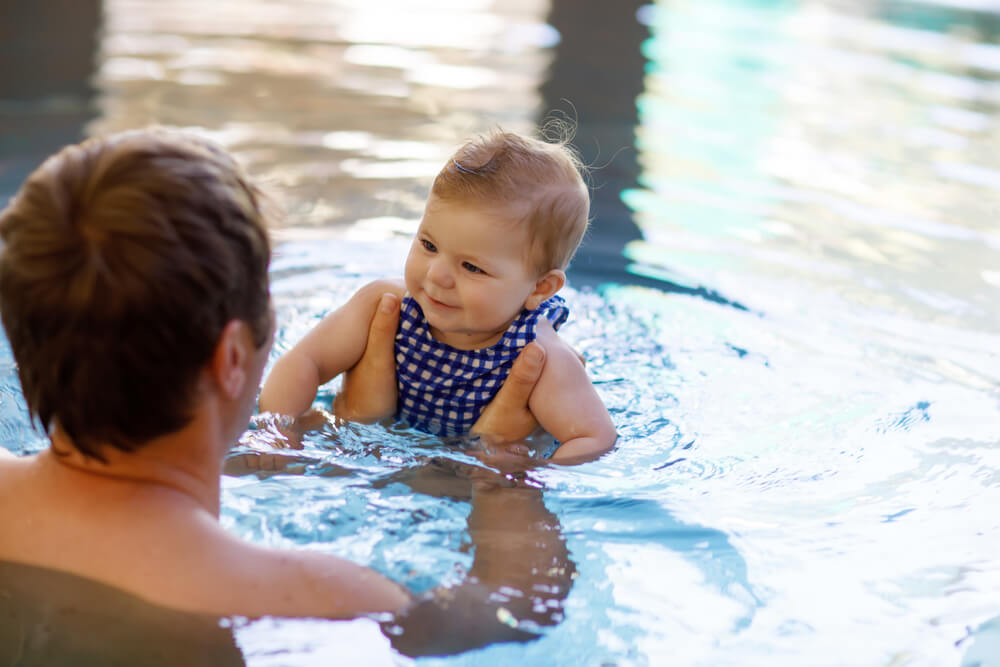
341, 107
804, 479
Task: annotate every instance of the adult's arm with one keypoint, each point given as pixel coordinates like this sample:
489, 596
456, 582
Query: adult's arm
520, 576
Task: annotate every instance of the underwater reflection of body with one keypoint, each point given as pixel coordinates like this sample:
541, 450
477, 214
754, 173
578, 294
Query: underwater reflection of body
520, 576
521, 572
521, 569
519, 553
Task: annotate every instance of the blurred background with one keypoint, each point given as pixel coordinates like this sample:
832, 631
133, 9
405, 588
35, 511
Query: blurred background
788, 297
771, 119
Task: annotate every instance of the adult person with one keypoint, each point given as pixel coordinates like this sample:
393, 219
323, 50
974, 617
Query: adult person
134, 293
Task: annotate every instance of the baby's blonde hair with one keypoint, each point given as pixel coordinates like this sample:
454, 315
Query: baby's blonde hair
541, 181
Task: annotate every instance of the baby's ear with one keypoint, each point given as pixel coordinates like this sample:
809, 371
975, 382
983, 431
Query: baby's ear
546, 286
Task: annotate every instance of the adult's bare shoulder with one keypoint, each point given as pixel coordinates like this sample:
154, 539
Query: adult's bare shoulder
253, 580
9, 464
9, 492
186, 561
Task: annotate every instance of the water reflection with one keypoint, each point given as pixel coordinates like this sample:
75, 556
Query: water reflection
346, 109
594, 80
832, 166
792, 144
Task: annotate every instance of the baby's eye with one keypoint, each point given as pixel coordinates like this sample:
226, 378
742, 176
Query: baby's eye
471, 268
428, 246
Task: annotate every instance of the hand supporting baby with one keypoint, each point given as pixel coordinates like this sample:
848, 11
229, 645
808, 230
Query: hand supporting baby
369, 390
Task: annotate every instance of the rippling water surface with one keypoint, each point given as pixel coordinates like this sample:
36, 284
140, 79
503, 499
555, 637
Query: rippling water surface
788, 299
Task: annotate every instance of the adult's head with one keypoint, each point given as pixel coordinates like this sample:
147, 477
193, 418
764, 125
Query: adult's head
539, 182
123, 260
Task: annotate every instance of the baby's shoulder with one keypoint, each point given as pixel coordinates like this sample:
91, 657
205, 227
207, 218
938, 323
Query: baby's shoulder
557, 350
376, 288
369, 295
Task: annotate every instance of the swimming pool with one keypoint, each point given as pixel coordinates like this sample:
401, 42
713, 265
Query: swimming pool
788, 299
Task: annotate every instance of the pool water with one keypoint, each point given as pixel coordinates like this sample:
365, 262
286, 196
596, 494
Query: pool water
787, 299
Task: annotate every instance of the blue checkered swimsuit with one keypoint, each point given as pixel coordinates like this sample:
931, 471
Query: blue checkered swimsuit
442, 390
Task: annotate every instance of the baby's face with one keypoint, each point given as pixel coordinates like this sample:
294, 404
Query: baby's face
467, 269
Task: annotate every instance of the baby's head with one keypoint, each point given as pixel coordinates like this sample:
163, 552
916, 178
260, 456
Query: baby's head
537, 184
504, 217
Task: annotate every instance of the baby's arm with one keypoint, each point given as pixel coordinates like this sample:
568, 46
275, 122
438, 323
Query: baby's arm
567, 405
330, 348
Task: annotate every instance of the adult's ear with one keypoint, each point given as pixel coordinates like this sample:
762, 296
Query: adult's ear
230, 361
546, 286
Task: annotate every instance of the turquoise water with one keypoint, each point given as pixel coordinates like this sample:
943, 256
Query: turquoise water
787, 301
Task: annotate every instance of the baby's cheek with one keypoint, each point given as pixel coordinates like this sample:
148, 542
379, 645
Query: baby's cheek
411, 276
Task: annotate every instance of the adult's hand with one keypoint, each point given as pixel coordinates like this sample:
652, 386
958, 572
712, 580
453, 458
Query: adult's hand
368, 392
369, 389
238, 464
507, 417
447, 621
518, 583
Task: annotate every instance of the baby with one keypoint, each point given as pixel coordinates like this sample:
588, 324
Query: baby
502, 222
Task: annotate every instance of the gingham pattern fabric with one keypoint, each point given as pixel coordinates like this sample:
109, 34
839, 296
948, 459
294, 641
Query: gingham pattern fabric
442, 390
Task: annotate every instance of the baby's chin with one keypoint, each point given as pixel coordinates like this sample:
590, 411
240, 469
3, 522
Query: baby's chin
464, 339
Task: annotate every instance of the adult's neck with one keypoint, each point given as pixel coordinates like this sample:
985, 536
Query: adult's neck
181, 463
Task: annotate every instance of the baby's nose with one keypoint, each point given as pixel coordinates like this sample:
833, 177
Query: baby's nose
439, 272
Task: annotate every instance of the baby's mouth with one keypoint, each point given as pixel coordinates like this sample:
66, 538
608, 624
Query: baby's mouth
438, 304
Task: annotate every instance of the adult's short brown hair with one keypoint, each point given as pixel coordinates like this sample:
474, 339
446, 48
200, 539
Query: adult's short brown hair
123, 259
540, 181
